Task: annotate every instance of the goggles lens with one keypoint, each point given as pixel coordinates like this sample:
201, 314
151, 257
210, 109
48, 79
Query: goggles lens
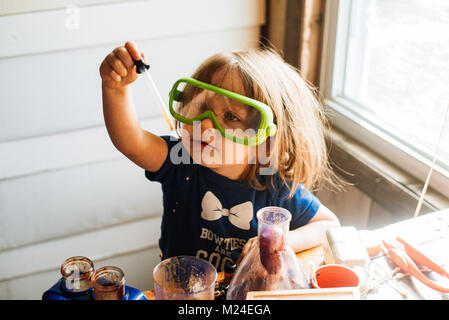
234, 117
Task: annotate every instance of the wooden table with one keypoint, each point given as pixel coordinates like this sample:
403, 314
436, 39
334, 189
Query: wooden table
429, 233
311, 259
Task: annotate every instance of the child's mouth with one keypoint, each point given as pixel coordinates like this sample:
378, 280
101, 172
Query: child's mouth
203, 144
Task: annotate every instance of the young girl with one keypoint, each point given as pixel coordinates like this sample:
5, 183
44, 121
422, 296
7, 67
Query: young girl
211, 197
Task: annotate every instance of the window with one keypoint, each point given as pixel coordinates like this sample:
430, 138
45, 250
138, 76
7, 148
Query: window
385, 78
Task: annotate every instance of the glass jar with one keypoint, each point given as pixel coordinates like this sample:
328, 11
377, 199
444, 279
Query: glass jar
108, 283
76, 274
184, 278
272, 264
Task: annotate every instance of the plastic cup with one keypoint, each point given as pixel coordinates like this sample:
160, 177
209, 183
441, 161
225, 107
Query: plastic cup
184, 278
273, 225
334, 276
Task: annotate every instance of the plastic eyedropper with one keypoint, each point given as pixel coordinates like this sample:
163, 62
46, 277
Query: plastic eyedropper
142, 67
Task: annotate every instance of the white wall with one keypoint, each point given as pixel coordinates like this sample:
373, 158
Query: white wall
64, 189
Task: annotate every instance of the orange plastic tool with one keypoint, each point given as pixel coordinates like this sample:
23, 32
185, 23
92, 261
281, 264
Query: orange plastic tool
405, 259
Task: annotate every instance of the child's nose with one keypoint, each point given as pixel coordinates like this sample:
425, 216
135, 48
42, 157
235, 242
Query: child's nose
207, 124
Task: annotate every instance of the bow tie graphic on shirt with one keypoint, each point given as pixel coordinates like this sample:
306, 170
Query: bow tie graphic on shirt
239, 215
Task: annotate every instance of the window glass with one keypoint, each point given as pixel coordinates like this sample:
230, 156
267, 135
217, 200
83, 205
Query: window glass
397, 68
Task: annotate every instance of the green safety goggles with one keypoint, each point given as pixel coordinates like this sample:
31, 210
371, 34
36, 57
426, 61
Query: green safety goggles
238, 118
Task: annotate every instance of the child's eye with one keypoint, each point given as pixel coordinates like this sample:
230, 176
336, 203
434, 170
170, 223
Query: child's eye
231, 117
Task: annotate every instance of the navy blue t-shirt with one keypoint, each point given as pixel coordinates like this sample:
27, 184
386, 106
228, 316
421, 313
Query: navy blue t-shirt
210, 216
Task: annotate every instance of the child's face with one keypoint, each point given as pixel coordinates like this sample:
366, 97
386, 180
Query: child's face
205, 143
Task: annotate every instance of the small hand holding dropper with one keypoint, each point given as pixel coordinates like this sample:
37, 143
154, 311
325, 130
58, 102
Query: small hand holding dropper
142, 67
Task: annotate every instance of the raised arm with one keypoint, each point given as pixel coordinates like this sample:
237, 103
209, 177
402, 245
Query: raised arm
117, 71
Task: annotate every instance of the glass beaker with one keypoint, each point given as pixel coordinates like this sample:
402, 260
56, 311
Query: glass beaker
76, 274
108, 283
272, 264
184, 278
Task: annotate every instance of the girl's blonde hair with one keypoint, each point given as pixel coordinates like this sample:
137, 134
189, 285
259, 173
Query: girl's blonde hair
298, 148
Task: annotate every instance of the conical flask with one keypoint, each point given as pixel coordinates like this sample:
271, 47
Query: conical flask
272, 264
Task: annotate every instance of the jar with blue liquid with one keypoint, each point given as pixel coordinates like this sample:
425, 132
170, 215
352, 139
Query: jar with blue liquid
75, 283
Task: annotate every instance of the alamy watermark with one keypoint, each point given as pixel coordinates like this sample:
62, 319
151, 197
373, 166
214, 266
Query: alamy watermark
72, 20
209, 148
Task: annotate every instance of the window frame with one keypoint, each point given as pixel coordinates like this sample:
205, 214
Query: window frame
345, 117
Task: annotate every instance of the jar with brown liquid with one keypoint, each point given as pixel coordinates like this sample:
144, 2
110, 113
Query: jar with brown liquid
108, 283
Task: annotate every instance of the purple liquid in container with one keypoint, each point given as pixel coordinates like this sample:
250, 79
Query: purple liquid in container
272, 265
